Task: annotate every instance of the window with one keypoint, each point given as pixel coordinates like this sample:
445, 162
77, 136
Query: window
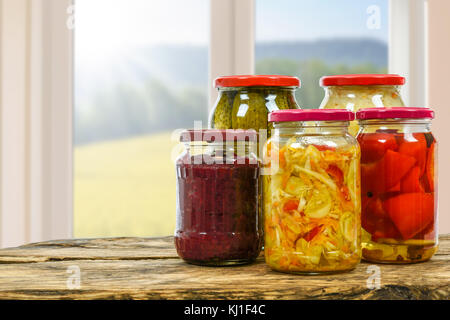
315, 38
138, 65
141, 71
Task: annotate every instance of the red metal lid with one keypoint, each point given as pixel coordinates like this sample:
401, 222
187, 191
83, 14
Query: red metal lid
311, 115
395, 113
259, 80
216, 135
362, 80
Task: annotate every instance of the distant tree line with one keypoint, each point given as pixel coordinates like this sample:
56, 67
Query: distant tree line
130, 110
311, 94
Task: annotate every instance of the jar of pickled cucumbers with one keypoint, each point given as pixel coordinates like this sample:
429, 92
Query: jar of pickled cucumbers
218, 181
311, 192
356, 91
245, 101
399, 184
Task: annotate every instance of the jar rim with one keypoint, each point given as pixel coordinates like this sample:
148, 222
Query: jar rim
395, 113
217, 135
294, 115
362, 80
257, 80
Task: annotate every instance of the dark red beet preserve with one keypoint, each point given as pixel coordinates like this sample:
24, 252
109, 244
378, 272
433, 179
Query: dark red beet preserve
218, 219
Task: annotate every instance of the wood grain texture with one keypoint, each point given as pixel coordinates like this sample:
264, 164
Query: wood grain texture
137, 268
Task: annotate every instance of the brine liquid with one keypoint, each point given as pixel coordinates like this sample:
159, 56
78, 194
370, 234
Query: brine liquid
399, 211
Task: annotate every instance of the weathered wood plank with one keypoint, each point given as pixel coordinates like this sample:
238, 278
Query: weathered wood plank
92, 249
129, 268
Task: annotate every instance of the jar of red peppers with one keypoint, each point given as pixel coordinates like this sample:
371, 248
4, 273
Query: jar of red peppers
218, 220
398, 174
312, 192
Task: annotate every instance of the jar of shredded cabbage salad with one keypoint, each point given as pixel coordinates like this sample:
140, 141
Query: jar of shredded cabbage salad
311, 192
399, 185
356, 91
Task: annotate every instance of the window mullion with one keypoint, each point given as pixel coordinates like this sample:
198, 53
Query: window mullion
232, 40
407, 48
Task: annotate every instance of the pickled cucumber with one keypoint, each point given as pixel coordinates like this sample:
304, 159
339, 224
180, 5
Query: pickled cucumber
249, 111
221, 117
292, 102
282, 101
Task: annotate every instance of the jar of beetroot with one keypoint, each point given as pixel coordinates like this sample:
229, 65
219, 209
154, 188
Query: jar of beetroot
398, 184
218, 216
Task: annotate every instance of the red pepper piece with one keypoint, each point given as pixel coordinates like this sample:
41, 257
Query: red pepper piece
429, 233
376, 221
386, 173
374, 146
282, 158
415, 145
396, 188
291, 205
336, 174
384, 228
367, 223
410, 212
323, 147
312, 233
368, 173
372, 212
376, 207
367, 216
430, 167
338, 177
411, 182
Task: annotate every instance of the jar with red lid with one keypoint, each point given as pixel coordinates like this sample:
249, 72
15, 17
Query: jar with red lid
244, 101
218, 219
311, 184
399, 184
356, 91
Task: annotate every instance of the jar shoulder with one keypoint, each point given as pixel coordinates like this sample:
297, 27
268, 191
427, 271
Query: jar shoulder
245, 108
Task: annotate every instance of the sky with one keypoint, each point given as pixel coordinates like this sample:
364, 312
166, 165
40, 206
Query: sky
278, 20
115, 24
105, 27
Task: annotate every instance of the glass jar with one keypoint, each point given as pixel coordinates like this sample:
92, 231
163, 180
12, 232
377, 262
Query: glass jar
398, 180
245, 101
356, 91
311, 192
218, 220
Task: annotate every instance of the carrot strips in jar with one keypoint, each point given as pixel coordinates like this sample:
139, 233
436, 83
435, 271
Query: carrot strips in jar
312, 193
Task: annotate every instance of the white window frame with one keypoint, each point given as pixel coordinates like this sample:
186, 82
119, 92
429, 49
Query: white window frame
408, 45
232, 39
36, 77
35, 121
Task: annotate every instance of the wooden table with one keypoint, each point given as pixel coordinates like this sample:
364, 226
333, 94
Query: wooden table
137, 268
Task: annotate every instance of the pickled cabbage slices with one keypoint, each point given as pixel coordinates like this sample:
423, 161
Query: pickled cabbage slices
312, 207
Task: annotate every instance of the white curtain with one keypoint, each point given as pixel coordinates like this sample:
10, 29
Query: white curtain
35, 121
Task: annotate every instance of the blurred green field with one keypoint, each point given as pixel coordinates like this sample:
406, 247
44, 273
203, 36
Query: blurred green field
125, 188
